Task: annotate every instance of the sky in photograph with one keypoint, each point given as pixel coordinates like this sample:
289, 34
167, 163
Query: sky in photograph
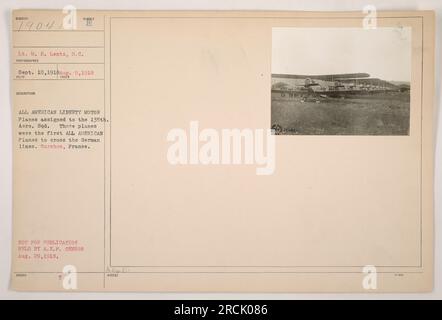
384, 53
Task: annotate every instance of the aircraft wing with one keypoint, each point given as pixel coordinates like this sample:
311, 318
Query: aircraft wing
324, 77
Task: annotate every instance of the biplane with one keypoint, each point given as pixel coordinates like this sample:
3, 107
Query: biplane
342, 85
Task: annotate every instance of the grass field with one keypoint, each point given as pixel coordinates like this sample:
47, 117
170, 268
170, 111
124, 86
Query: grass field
372, 115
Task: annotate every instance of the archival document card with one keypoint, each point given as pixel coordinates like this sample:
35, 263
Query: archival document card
222, 151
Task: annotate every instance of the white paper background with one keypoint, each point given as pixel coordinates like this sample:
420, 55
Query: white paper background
316, 5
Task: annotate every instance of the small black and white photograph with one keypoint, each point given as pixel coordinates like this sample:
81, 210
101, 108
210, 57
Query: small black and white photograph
341, 81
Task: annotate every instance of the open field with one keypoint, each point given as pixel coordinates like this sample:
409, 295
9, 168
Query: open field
371, 115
